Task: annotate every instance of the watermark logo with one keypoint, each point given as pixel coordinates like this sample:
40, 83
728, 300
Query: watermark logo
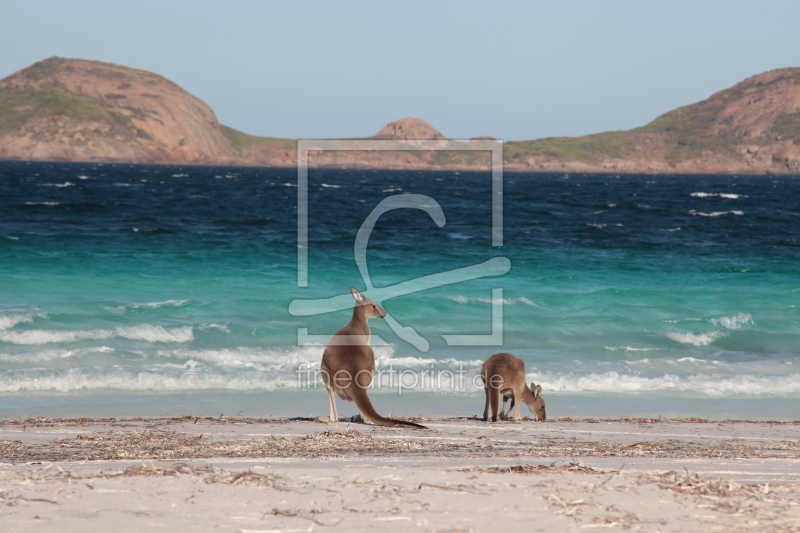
460, 380
492, 267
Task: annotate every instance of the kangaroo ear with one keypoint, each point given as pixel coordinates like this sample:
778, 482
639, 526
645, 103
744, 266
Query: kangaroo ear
537, 389
357, 295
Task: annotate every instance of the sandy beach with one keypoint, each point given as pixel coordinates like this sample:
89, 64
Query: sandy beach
234, 474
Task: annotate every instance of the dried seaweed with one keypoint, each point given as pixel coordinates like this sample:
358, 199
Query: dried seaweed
87, 421
113, 439
169, 445
688, 483
537, 469
208, 474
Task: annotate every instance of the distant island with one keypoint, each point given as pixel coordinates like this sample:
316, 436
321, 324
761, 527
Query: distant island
64, 109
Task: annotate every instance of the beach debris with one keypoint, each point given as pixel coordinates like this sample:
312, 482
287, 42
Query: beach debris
165, 444
536, 469
688, 483
8, 499
307, 514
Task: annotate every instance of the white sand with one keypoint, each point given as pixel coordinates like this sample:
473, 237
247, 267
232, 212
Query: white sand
260, 475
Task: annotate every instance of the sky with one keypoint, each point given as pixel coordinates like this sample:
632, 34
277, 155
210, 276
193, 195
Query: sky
513, 70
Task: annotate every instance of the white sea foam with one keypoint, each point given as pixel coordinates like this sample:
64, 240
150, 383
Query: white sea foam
11, 320
689, 360
328, 186
394, 189
166, 303
41, 356
37, 357
426, 364
40, 336
459, 236
194, 375
703, 384
307, 358
120, 380
272, 358
697, 339
731, 196
150, 333
407, 362
43, 203
715, 213
505, 301
221, 327
734, 321
65, 184
142, 332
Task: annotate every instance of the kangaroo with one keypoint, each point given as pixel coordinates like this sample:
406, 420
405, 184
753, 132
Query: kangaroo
348, 364
504, 374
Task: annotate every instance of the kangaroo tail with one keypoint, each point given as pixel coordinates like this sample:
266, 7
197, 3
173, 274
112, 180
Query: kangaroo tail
364, 405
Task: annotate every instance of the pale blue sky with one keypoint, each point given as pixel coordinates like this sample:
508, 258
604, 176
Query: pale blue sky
513, 70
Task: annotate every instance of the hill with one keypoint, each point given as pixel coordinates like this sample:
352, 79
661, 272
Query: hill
753, 126
78, 110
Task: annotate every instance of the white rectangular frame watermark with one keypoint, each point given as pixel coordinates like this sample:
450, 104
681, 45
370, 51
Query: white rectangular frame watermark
304, 147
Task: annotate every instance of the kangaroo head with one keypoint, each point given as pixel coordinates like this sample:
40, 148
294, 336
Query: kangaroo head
372, 310
537, 405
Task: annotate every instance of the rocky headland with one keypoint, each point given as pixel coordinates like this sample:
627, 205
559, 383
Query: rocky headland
79, 110
76, 110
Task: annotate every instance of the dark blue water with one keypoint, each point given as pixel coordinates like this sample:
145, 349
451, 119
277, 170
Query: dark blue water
130, 289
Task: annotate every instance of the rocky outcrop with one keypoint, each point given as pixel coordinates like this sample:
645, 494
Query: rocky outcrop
77, 110
268, 151
409, 129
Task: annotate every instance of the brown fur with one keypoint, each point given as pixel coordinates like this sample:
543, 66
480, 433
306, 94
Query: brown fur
504, 374
348, 364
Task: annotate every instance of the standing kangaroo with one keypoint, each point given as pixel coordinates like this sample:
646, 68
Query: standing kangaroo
348, 364
504, 374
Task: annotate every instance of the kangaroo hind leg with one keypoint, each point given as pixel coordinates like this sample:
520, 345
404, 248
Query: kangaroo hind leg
334, 418
494, 400
486, 405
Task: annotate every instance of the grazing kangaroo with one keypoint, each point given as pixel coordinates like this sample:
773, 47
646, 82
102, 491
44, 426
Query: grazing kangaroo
504, 374
348, 364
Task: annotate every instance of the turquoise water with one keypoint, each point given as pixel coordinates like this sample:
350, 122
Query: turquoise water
154, 290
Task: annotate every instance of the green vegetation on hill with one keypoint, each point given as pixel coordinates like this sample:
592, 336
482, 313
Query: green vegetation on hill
241, 141
44, 69
17, 107
788, 127
685, 130
678, 135
586, 149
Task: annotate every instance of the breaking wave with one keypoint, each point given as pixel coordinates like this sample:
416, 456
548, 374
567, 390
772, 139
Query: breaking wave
505, 301
728, 195
143, 332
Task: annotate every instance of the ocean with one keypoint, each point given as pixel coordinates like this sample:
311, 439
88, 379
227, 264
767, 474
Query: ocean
137, 290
